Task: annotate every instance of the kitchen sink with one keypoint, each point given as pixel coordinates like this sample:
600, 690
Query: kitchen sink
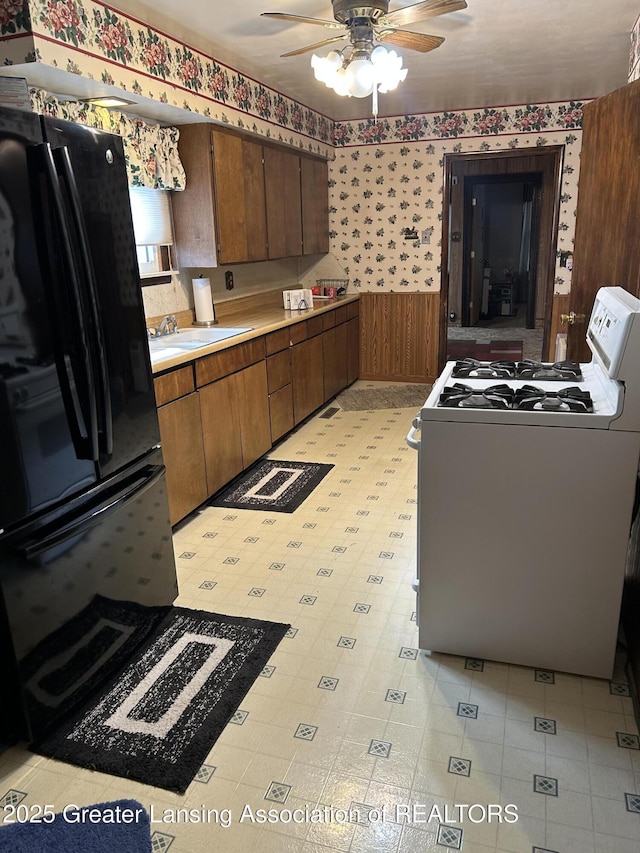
188, 340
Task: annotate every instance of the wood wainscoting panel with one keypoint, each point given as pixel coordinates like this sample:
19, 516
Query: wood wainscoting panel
399, 336
560, 306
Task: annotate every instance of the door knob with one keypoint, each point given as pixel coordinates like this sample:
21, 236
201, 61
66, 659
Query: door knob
571, 318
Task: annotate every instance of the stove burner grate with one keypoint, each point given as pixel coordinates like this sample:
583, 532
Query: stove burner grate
526, 398
474, 369
560, 370
463, 396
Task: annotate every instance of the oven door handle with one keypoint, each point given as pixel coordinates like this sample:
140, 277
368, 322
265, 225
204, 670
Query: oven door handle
412, 441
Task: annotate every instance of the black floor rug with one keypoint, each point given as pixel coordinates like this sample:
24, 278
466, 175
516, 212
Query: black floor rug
160, 716
273, 485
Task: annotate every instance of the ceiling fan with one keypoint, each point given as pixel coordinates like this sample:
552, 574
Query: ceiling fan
362, 23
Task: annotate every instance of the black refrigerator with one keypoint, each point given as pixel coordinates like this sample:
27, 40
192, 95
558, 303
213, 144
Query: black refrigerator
84, 520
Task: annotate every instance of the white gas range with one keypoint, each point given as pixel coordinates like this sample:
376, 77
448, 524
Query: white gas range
526, 483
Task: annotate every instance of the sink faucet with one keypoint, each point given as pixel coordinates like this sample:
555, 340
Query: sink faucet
168, 326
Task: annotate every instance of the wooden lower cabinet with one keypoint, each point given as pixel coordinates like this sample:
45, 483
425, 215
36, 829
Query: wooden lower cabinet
281, 412
353, 349
245, 401
183, 453
235, 423
221, 432
334, 347
308, 377
253, 405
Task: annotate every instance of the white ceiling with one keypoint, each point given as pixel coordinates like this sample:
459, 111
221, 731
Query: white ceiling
496, 52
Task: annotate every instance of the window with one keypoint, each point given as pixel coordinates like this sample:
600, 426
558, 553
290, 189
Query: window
151, 211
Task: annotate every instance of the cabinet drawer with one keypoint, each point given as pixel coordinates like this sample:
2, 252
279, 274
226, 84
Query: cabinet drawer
279, 340
353, 310
278, 370
328, 320
314, 326
170, 386
220, 364
341, 315
298, 332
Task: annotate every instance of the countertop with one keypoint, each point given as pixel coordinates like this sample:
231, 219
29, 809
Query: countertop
262, 321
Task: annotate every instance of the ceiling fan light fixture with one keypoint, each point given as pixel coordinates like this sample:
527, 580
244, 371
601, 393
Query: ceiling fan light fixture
360, 77
367, 71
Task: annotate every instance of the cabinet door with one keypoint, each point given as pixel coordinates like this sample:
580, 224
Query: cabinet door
284, 210
183, 453
239, 198
252, 398
281, 412
353, 349
221, 432
334, 345
314, 178
308, 382
194, 208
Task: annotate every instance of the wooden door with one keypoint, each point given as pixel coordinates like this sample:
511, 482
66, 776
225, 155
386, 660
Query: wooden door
283, 202
183, 454
547, 161
607, 242
314, 179
221, 432
472, 305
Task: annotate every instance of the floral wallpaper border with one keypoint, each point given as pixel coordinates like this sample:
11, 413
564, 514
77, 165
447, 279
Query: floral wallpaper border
104, 44
488, 122
634, 53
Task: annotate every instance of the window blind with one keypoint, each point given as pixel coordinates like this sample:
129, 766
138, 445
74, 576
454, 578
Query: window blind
151, 212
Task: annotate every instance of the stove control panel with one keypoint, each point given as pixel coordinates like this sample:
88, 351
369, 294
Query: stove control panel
613, 315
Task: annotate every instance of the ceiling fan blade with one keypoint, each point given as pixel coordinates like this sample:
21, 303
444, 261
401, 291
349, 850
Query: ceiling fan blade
412, 41
422, 11
314, 46
300, 19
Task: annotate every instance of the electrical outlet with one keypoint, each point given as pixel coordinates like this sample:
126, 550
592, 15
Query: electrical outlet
228, 280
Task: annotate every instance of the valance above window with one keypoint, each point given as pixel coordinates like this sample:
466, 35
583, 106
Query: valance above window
150, 150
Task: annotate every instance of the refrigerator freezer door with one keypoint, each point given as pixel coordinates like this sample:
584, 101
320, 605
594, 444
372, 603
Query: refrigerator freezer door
38, 457
114, 547
92, 170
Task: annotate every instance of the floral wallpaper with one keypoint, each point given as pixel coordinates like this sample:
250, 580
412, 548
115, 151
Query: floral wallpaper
91, 39
151, 151
386, 186
634, 55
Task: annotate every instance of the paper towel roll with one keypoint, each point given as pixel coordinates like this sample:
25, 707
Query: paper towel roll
203, 301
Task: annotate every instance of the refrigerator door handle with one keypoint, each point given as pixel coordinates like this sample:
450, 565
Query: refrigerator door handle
83, 254
86, 446
33, 548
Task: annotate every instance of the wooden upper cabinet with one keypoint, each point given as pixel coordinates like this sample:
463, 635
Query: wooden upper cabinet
284, 210
240, 198
314, 181
193, 208
245, 201
220, 218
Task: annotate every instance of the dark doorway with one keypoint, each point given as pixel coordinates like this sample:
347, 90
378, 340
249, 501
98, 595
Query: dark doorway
500, 253
533, 176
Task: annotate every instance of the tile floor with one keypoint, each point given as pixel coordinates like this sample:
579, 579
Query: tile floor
350, 715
